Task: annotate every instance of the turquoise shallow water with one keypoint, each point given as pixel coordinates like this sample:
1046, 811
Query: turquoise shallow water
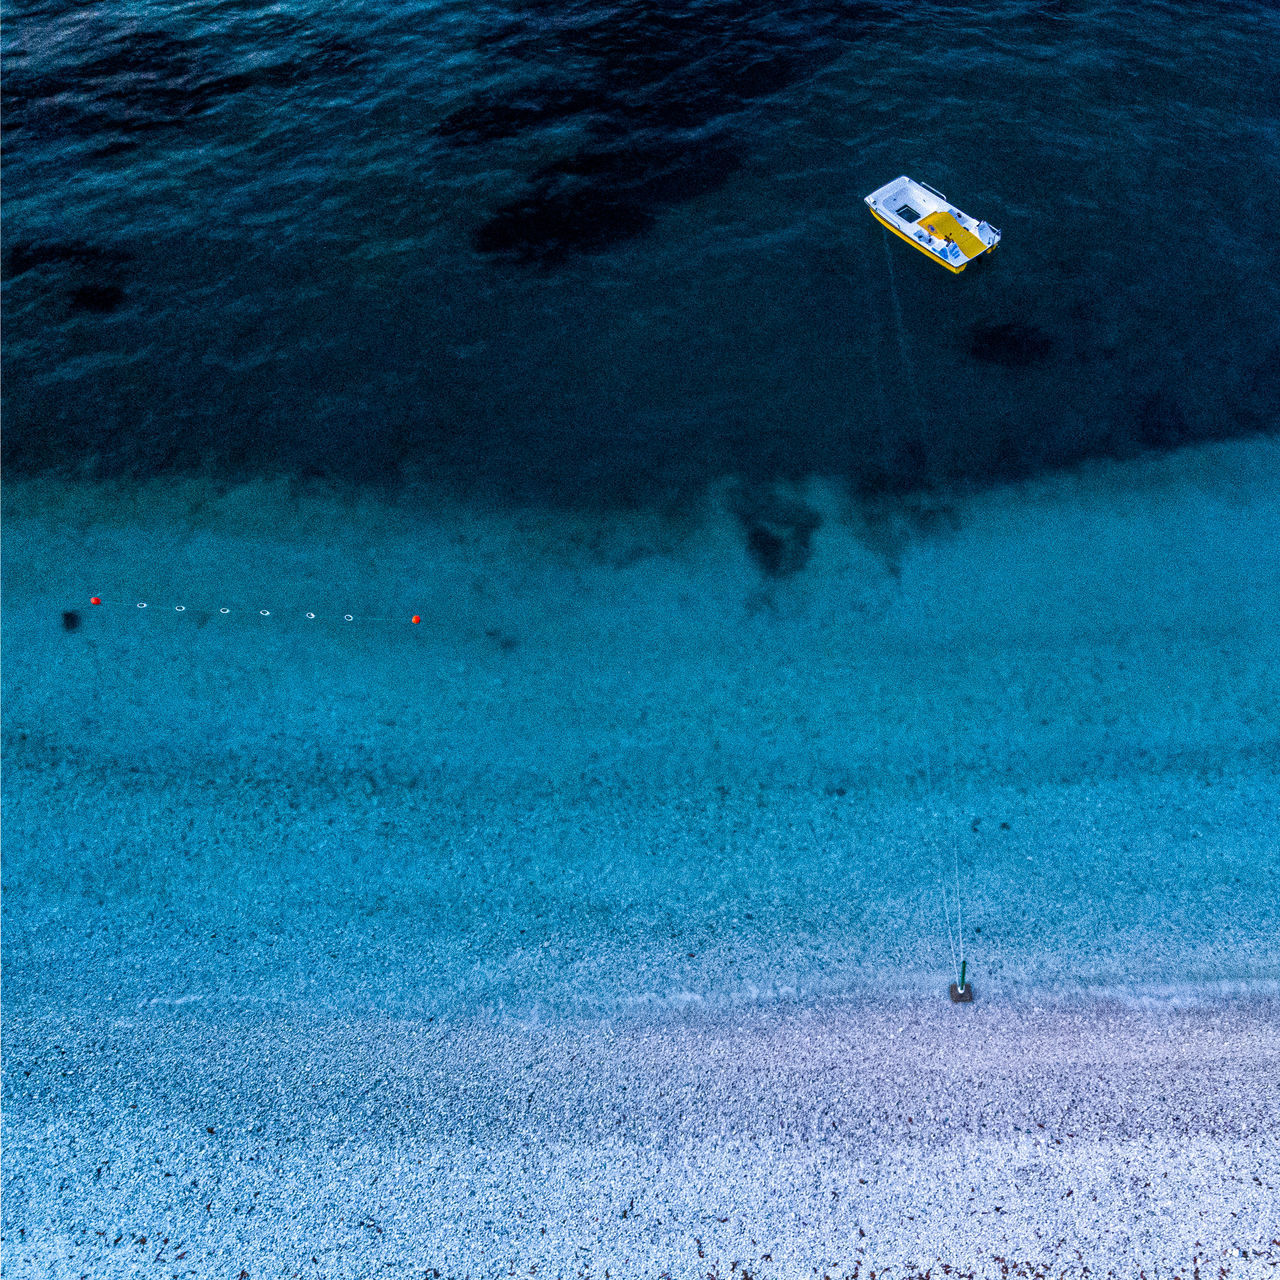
574, 252
619, 768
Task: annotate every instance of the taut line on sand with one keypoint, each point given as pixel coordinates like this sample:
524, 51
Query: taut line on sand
946, 911
955, 856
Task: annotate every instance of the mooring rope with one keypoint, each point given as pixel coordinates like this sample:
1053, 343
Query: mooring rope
946, 910
907, 369
959, 919
882, 398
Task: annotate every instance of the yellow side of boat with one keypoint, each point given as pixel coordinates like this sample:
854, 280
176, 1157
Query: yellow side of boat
945, 227
915, 244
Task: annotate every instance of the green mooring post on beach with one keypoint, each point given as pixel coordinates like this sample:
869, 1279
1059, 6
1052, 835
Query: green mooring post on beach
960, 993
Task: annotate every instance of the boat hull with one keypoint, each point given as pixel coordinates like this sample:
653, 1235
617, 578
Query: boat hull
915, 244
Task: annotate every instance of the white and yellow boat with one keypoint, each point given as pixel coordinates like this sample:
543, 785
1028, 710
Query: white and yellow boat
922, 217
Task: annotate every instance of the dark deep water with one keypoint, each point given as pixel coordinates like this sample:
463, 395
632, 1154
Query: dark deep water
577, 250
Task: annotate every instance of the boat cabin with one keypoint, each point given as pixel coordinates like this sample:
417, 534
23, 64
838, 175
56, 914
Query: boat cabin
922, 217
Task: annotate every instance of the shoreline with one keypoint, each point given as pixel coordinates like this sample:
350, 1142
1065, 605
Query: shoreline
903, 1140
620, 771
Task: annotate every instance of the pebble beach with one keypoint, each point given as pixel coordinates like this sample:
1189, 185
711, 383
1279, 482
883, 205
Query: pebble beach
597, 925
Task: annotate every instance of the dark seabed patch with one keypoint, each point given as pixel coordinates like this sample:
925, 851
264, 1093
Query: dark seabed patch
1161, 422
545, 226
779, 529
595, 198
85, 275
651, 79
1010, 343
97, 299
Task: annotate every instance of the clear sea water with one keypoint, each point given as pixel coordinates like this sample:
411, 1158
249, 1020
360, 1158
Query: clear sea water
615, 257
603, 251
797, 620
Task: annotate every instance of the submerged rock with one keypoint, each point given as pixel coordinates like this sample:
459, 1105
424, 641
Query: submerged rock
601, 196
546, 226
100, 299
1011, 344
639, 80
779, 531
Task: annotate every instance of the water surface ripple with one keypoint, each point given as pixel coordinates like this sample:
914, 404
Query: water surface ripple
575, 249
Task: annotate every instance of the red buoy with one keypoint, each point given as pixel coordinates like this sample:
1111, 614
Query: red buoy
95, 599
416, 619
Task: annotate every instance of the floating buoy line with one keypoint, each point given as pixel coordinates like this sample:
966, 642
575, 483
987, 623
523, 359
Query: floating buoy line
226, 611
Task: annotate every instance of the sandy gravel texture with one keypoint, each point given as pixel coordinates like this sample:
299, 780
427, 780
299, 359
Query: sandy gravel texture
831, 1140
595, 926
615, 764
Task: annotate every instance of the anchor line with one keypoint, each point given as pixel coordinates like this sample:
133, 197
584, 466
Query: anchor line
946, 909
900, 325
882, 399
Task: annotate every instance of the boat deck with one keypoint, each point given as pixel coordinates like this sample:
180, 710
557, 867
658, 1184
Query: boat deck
943, 225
